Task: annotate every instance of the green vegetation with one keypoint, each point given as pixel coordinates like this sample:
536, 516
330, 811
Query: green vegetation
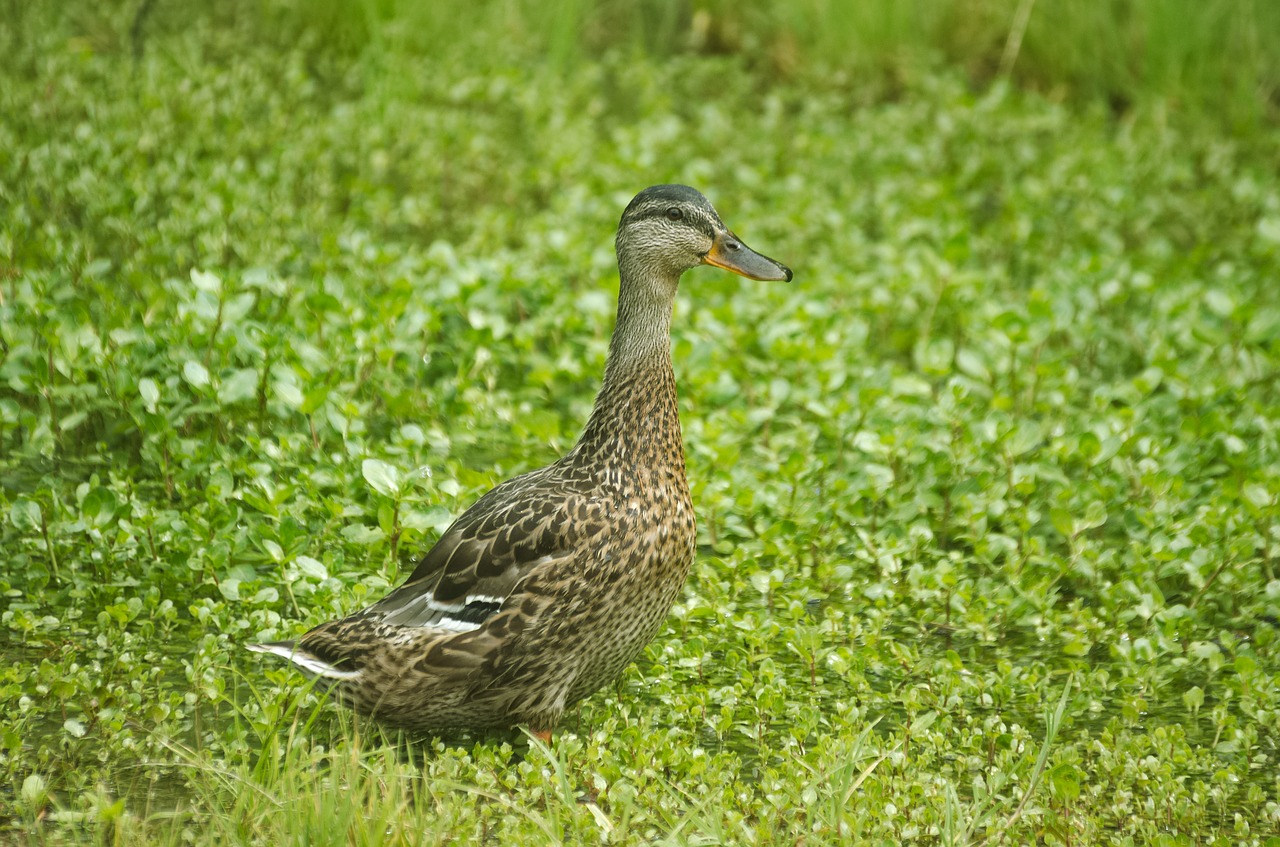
988, 496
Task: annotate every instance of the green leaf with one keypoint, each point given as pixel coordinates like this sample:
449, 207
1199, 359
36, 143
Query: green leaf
71, 421
205, 281
242, 385
1219, 302
1264, 326
382, 477
150, 394
362, 534
34, 792
1024, 438
1076, 644
1204, 649
287, 393
1063, 521
99, 507
1095, 515
1064, 782
311, 568
970, 363
1269, 229
436, 517
923, 721
26, 515
934, 357
196, 374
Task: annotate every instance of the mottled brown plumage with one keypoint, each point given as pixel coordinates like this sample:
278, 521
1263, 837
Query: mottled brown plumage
551, 583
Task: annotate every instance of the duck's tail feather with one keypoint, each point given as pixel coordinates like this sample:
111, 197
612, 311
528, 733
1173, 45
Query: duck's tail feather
302, 659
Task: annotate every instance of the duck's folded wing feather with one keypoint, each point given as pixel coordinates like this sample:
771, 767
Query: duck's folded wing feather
507, 534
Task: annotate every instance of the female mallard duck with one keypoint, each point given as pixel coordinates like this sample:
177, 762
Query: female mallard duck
554, 581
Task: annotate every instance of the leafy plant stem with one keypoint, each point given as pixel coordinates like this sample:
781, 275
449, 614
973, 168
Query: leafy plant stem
48, 544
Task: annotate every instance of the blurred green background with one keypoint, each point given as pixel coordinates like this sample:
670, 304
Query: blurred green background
1218, 59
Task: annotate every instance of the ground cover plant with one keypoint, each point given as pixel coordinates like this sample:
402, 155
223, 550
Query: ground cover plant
987, 496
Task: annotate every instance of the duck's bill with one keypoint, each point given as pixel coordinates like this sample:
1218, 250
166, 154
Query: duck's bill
730, 253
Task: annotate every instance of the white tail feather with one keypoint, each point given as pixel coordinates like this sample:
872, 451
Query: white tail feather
305, 661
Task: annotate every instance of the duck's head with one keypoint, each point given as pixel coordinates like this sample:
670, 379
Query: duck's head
668, 229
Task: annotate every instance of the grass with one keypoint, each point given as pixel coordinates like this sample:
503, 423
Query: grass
986, 496
1214, 59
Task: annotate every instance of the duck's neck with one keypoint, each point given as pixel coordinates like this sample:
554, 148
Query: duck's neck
635, 420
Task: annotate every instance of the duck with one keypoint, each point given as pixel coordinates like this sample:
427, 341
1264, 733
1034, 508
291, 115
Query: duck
550, 584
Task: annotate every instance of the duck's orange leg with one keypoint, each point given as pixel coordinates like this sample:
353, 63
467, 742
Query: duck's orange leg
543, 735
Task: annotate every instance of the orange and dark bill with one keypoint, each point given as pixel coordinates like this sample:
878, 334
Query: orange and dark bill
730, 253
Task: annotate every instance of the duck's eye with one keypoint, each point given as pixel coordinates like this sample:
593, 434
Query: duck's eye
674, 214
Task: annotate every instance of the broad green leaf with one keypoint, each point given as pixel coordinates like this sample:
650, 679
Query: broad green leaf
287, 393
34, 792
26, 515
71, 421
1219, 302
1095, 515
969, 362
382, 477
1064, 782
196, 374
205, 281
1077, 645
363, 534
935, 356
923, 721
242, 385
150, 394
99, 507
436, 517
1024, 438
1063, 521
1269, 229
311, 568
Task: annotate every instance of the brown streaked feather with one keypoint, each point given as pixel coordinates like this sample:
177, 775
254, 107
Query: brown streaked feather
489, 549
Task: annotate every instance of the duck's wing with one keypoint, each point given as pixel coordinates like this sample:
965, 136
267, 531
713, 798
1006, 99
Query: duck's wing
528, 522
528, 525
